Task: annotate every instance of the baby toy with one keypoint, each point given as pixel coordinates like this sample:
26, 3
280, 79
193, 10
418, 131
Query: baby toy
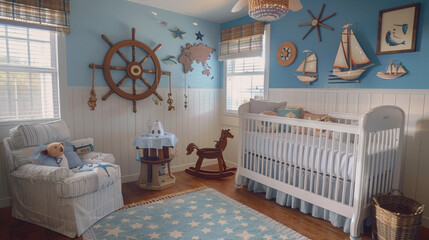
56, 150
157, 129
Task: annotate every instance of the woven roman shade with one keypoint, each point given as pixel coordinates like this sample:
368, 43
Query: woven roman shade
242, 41
47, 14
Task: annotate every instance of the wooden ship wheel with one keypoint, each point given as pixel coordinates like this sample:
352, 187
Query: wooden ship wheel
133, 70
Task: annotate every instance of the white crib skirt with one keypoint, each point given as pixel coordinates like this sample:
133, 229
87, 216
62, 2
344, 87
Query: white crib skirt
305, 207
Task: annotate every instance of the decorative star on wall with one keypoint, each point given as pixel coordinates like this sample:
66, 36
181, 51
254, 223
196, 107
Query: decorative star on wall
177, 33
199, 36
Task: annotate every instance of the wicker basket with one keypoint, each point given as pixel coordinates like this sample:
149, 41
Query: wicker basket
396, 217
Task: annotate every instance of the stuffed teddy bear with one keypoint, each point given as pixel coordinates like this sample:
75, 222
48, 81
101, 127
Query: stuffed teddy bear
56, 150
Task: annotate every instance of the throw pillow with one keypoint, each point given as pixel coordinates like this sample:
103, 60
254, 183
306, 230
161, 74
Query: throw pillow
258, 106
290, 112
73, 159
82, 146
42, 158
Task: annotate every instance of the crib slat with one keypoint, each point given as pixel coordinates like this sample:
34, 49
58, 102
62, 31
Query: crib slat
392, 157
249, 140
355, 159
383, 163
286, 145
379, 162
346, 169
306, 166
338, 172
312, 158
324, 173
372, 168
275, 157
300, 161
389, 161
262, 153
331, 167
257, 140
319, 163
271, 149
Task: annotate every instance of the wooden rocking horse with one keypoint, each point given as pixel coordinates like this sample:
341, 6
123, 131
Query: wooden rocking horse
211, 153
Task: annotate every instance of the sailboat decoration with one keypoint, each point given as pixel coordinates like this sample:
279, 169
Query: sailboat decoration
349, 54
392, 71
308, 68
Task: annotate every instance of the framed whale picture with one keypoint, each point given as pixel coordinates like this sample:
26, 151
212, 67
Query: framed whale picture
397, 29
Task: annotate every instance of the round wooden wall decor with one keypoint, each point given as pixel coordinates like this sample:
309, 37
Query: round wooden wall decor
133, 70
286, 53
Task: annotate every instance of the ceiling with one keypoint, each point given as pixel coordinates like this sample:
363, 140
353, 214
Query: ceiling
218, 11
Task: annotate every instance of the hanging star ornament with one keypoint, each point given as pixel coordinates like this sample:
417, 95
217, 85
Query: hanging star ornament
317, 23
199, 35
177, 33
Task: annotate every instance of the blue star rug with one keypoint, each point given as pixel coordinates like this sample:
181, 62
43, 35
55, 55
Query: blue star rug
201, 214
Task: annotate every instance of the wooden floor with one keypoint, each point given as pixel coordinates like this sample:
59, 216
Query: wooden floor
11, 228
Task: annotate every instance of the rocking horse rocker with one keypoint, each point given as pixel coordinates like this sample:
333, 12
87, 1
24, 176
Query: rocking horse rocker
211, 153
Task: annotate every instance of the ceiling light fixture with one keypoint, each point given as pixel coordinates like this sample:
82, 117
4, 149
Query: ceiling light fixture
196, 24
268, 10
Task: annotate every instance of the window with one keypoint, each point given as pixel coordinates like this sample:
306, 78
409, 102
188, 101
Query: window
28, 73
245, 79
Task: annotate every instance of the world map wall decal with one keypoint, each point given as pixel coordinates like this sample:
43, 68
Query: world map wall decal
200, 53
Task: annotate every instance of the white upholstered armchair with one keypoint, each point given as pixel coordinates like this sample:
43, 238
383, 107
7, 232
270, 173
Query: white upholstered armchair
53, 197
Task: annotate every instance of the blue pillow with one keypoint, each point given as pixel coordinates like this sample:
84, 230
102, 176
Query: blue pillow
294, 113
73, 159
44, 159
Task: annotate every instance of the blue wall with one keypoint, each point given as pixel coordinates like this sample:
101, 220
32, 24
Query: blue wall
363, 15
115, 18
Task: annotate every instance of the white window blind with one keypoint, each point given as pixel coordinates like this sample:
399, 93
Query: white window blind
28, 73
245, 79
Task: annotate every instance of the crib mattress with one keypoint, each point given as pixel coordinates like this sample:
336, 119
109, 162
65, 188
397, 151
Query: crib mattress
323, 155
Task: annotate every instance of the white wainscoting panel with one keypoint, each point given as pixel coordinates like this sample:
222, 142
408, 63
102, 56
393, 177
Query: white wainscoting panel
113, 124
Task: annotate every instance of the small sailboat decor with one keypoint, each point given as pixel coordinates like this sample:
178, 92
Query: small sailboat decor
349, 54
393, 71
308, 68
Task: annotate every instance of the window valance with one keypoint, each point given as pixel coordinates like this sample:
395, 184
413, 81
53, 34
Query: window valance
47, 14
242, 41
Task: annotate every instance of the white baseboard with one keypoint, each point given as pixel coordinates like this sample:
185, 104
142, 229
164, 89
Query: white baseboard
5, 202
230, 164
135, 177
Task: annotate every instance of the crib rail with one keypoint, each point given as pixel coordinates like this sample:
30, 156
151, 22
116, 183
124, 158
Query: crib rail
318, 161
380, 161
313, 160
383, 129
337, 166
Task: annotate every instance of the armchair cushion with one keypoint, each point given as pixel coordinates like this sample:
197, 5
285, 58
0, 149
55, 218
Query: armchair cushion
43, 173
33, 134
88, 181
78, 184
96, 157
22, 156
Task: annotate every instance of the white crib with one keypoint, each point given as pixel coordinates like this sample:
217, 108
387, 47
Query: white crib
337, 166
